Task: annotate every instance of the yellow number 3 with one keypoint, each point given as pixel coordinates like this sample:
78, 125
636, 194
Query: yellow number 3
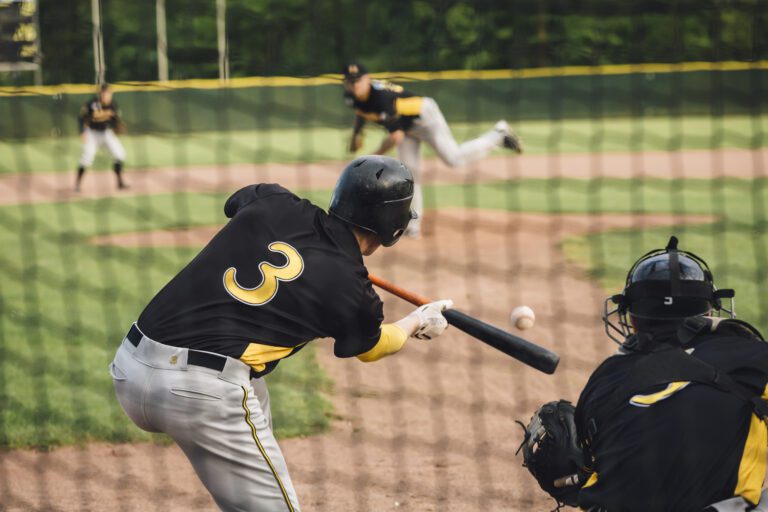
271, 277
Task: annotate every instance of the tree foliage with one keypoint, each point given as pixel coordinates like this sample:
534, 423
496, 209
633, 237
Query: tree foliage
310, 37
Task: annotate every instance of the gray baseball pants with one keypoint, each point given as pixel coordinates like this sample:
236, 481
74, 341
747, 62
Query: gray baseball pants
432, 128
220, 419
738, 504
94, 139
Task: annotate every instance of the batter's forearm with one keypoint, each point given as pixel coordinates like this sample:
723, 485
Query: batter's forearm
391, 340
393, 337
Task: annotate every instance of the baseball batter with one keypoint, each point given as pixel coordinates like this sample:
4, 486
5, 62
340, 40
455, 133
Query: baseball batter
410, 120
280, 274
99, 119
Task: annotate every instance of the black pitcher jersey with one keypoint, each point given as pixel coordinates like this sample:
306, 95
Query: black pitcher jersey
98, 116
281, 273
389, 105
680, 446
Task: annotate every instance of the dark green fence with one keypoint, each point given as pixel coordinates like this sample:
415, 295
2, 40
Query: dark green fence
469, 100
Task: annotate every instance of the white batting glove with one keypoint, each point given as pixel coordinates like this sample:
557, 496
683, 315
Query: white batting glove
432, 323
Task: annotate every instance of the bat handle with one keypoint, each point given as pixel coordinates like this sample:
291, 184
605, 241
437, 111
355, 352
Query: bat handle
413, 298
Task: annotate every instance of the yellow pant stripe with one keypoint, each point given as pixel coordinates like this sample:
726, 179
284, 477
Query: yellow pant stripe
261, 449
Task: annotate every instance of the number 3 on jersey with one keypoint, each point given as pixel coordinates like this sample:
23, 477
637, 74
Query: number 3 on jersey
271, 277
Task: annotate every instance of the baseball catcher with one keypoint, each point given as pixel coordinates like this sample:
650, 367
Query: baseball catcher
675, 420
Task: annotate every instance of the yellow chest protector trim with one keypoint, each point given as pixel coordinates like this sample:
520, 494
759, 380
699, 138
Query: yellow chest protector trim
752, 467
271, 277
648, 400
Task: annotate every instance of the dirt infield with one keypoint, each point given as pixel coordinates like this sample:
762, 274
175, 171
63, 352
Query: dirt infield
429, 429
706, 164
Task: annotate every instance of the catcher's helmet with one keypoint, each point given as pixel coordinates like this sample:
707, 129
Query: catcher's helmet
665, 286
374, 193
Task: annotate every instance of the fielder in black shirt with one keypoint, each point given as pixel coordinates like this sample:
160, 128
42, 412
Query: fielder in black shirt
99, 122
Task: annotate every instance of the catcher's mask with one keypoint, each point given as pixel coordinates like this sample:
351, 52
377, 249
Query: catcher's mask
664, 286
374, 193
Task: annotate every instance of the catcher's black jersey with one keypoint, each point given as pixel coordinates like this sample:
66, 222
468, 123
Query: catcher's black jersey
677, 447
98, 116
281, 273
389, 105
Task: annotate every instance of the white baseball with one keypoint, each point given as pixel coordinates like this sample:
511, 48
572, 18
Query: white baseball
522, 317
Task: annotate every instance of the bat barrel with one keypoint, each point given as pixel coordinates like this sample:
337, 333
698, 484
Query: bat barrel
524, 351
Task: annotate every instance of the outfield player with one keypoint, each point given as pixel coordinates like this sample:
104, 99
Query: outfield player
280, 274
410, 120
99, 120
675, 421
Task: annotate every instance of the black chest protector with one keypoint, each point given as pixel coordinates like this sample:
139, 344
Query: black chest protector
665, 362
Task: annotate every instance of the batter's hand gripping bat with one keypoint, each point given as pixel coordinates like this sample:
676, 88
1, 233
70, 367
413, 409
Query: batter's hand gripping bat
523, 350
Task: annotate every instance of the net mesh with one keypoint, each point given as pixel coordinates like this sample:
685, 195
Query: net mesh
639, 120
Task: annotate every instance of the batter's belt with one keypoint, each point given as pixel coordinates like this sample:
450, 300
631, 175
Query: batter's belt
194, 357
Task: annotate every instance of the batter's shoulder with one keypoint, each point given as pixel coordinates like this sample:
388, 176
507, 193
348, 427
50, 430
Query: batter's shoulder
251, 193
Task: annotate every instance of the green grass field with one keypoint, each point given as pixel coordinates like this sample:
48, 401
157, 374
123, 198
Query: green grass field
65, 303
318, 144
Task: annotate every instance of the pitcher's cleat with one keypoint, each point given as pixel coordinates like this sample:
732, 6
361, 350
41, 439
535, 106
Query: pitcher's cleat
511, 140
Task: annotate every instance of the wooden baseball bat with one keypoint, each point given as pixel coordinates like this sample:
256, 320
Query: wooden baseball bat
523, 350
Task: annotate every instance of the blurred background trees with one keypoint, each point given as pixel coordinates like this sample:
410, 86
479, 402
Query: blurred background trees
310, 37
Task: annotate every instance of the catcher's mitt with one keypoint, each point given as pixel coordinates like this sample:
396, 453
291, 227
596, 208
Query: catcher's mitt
552, 453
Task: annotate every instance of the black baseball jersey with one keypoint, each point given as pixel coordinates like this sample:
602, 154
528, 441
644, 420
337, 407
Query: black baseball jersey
98, 116
680, 446
388, 105
281, 273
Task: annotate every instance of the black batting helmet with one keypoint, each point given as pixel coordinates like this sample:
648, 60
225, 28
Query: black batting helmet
374, 193
663, 287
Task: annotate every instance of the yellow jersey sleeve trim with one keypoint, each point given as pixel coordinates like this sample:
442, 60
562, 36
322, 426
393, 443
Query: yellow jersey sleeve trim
392, 339
765, 393
257, 355
753, 462
409, 106
591, 481
648, 400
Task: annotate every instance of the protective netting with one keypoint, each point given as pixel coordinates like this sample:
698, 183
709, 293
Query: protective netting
639, 120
